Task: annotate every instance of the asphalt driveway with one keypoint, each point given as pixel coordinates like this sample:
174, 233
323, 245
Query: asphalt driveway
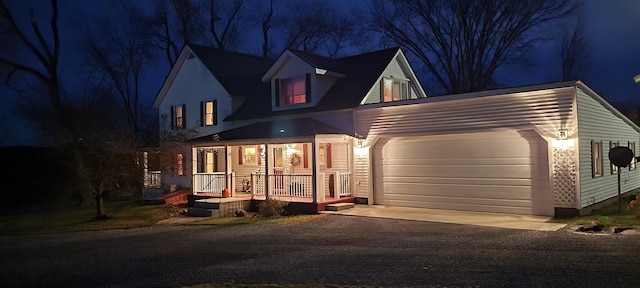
336, 249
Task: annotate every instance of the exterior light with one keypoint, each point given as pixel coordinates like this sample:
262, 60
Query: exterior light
562, 141
637, 78
281, 130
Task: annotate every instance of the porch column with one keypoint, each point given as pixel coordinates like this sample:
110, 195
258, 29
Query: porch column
194, 166
314, 171
227, 170
266, 171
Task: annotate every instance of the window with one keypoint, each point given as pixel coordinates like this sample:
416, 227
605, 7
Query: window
632, 146
177, 117
614, 168
294, 90
596, 159
180, 164
278, 160
324, 155
210, 160
208, 113
395, 89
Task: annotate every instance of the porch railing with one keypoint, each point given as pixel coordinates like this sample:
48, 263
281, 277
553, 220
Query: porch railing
211, 182
152, 179
283, 185
344, 185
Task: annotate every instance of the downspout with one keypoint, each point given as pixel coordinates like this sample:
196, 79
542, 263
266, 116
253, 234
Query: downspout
314, 171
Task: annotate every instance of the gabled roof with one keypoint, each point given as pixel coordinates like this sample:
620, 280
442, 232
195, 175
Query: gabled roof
238, 73
274, 130
360, 74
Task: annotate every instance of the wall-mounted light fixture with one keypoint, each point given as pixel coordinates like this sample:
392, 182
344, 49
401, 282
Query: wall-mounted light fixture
562, 140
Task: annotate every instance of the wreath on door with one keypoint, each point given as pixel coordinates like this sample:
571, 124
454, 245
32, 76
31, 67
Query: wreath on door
295, 159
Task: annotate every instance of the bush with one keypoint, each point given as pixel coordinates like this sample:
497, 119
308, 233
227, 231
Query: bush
271, 207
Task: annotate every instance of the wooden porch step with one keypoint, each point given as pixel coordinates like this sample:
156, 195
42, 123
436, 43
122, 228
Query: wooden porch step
339, 206
199, 212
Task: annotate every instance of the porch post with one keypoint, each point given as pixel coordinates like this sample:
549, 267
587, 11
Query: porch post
314, 171
227, 170
266, 170
194, 166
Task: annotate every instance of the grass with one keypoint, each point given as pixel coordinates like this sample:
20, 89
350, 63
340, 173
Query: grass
254, 220
69, 218
237, 285
609, 216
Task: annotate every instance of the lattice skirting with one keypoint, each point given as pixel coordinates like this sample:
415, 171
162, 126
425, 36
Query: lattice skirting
564, 177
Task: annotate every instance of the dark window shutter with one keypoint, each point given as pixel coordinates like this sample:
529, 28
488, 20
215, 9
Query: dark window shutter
215, 112
173, 117
240, 156
305, 156
203, 113
202, 161
184, 116
409, 87
277, 93
328, 153
381, 90
307, 86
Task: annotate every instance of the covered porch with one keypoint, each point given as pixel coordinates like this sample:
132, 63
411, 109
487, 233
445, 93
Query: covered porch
301, 160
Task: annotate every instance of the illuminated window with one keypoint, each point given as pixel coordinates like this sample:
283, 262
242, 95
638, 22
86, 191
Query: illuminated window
278, 159
324, 155
632, 146
177, 117
395, 89
180, 163
250, 155
293, 90
209, 112
209, 161
596, 159
614, 168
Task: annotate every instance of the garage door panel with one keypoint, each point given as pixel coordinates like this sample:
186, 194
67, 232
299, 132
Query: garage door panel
492, 172
473, 171
460, 181
455, 191
464, 207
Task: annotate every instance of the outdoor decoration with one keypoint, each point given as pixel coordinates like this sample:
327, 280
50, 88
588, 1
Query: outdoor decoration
295, 159
226, 193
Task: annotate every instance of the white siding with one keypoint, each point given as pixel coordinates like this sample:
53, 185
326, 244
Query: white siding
361, 175
596, 123
547, 111
393, 70
192, 84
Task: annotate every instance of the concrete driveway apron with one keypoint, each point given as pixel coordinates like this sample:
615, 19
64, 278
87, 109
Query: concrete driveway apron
511, 221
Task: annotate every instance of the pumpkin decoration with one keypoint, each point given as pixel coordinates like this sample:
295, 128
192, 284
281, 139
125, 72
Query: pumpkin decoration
226, 193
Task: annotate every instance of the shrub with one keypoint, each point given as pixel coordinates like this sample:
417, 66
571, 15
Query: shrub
271, 207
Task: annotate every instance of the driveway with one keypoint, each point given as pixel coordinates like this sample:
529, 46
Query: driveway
511, 221
335, 249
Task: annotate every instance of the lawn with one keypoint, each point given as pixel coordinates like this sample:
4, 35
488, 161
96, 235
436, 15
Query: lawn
131, 214
66, 217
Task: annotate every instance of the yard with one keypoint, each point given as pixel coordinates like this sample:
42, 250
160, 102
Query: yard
66, 217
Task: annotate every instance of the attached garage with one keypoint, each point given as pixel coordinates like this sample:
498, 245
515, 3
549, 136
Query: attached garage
503, 172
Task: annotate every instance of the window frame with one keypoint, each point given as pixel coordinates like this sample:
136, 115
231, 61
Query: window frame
596, 162
180, 164
295, 98
632, 146
403, 89
209, 113
613, 168
178, 119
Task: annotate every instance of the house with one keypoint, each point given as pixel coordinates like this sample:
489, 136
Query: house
310, 129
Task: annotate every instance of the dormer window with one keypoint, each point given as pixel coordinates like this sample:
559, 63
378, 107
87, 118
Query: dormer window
394, 89
295, 90
177, 117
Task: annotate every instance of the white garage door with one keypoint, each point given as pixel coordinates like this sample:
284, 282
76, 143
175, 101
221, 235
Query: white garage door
504, 172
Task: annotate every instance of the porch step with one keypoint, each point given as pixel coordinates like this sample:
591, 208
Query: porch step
199, 212
339, 206
206, 205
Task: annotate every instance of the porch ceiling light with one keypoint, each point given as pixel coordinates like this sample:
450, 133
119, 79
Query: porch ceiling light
281, 130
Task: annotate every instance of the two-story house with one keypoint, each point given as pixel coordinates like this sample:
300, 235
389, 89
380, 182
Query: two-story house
310, 129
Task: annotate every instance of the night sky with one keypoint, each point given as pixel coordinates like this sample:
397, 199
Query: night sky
612, 28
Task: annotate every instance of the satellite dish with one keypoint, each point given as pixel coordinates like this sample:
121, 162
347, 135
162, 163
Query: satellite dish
620, 156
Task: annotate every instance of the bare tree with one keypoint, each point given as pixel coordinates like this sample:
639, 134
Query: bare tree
34, 72
574, 50
316, 27
225, 22
172, 24
463, 42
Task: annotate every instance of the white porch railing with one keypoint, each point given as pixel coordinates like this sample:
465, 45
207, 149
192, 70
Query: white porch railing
343, 185
283, 185
211, 182
152, 179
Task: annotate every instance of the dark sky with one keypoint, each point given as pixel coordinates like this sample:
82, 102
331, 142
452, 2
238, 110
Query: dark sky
612, 28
